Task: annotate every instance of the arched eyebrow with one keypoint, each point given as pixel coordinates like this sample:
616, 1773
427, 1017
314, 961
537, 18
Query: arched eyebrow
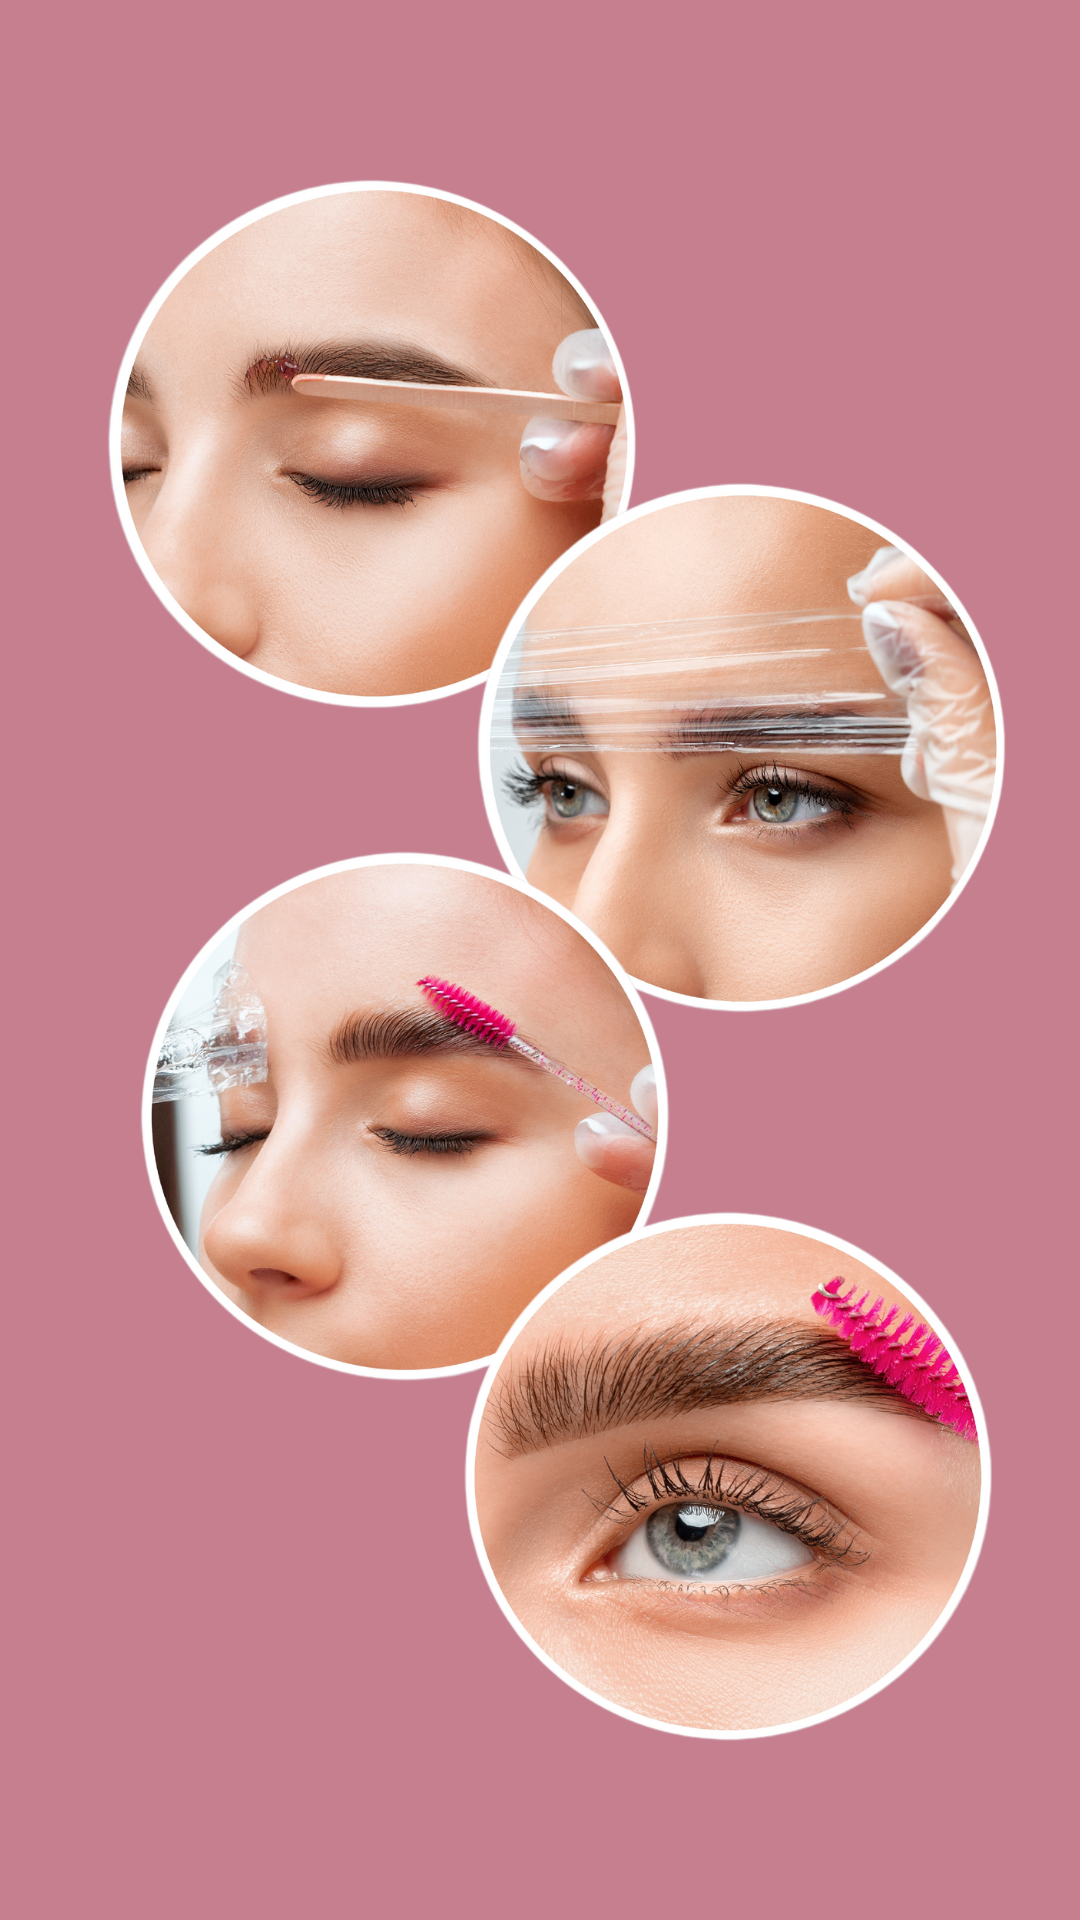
268, 370
568, 1392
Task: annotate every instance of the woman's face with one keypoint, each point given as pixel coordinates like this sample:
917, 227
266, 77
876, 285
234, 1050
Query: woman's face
355, 548
847, 1523
396, 1192
753, 874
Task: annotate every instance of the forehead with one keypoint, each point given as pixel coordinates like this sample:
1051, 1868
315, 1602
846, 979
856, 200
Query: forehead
710, 556
735, 560
697, 1273
387, 264
363, 939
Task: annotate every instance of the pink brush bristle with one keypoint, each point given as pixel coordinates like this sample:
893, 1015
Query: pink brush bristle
905, 1354
466, 1011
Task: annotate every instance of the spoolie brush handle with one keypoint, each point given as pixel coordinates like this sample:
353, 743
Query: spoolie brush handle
514, 1045
910, 1358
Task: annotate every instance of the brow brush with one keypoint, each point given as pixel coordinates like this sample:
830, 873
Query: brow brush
499, 1033
914, 1362
421, 393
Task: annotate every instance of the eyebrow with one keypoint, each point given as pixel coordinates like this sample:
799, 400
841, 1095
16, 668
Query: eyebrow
718, 729
568, 1392
358, 360
398, 1033
138, 386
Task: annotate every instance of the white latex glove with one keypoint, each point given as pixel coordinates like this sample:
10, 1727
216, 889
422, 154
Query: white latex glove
612, 1149
562, 461
923, 654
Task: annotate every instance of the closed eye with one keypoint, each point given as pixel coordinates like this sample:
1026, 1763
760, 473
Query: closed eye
410, 1143
377, 493
234, 1142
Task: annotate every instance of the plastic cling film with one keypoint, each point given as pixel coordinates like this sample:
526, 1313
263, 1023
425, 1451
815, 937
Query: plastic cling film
220, 1046
716, 683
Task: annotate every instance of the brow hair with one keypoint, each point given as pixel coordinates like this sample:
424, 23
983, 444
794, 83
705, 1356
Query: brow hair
138, 386
567, 1392
391, 1033
359, 360
713, 730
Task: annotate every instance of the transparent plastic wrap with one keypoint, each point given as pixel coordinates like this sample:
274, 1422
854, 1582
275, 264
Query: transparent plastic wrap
747, 681
218, 1047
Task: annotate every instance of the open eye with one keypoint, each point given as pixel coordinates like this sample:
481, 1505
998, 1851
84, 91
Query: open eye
783, 806
569, 800
709, 1545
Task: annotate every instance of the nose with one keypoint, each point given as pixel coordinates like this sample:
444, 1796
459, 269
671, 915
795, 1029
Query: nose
273, 1233
638, 894
200, 540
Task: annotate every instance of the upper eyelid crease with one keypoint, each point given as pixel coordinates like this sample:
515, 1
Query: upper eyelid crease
571, 1391
356, 360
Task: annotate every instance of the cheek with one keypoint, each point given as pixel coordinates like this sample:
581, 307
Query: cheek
557, 866
399, 599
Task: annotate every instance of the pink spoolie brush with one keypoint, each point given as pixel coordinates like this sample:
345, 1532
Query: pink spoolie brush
493, 1027
915, 1363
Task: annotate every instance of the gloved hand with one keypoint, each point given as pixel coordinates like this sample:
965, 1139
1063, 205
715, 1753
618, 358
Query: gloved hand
612, 1149
923, 654
562, 461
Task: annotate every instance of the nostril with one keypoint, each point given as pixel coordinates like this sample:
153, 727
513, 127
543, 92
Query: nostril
275, 1277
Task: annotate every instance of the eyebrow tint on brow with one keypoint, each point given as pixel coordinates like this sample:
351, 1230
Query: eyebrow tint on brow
567, 1392
357, 360
542, 723
396, 1033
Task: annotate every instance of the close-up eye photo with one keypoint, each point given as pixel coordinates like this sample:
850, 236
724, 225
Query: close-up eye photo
354, 430
726, 1478
748, 739
391, 1103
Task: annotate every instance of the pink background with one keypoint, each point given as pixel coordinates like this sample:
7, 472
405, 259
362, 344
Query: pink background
830, 242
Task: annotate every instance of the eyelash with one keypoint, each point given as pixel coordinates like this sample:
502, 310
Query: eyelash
233, 1142
389, 494
752, 1490
407, 1143
411, 1143
128, 474
751, 780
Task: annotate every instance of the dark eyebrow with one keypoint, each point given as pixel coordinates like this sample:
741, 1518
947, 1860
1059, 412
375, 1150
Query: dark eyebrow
269, 372
393, 1033
567, 1392
138, 386
554, 723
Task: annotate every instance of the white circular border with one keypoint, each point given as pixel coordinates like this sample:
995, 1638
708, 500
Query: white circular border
892, 1279
276, 893
116, 415
766, 493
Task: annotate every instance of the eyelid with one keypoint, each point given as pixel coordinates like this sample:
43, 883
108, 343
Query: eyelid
795, 1509
234, 1142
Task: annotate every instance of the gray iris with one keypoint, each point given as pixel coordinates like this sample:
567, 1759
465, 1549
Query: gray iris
690, 1539
775, 804
566, 798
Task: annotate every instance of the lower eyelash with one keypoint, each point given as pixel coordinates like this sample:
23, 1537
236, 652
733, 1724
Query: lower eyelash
388, 494
752, 1490
410, 1143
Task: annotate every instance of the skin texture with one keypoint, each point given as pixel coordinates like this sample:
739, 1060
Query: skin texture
361, 599
749, 1656
322, 1232
676, 873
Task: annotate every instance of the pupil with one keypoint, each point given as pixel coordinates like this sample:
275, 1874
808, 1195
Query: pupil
686, 1531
